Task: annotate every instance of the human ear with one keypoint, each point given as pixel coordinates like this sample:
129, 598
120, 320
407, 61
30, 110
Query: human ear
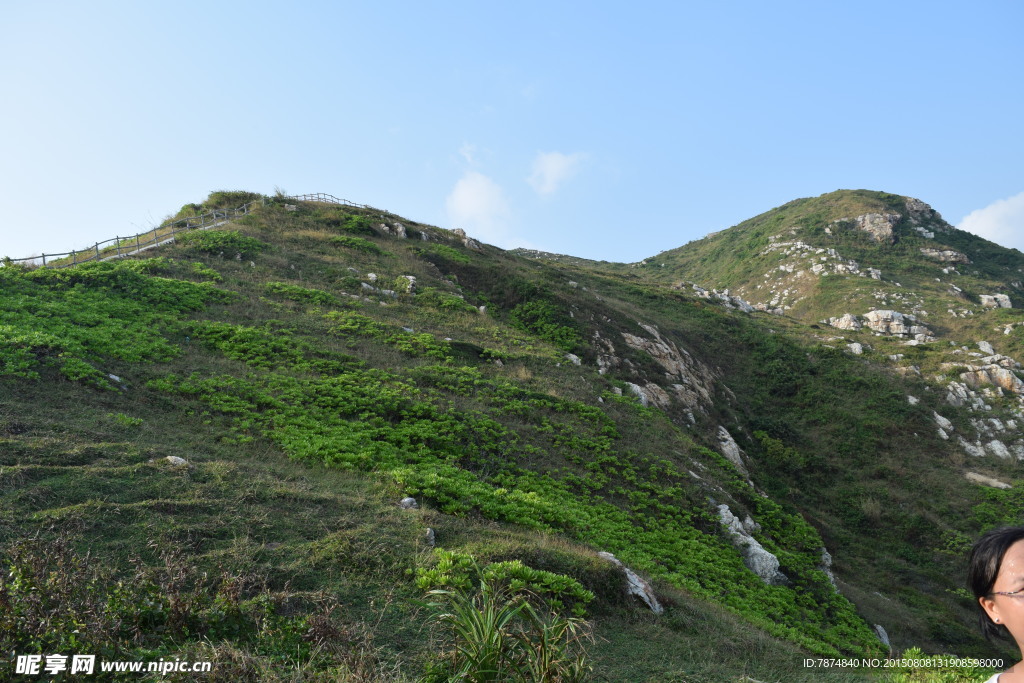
990, 607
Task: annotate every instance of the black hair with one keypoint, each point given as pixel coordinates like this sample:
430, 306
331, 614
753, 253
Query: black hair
983, 568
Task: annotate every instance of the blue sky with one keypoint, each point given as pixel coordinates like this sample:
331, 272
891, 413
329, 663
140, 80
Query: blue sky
605, 130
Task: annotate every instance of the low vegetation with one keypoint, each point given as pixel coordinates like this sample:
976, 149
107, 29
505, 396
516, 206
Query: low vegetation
311, 372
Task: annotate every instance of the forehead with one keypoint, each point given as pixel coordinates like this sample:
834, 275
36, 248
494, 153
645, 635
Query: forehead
1011, 571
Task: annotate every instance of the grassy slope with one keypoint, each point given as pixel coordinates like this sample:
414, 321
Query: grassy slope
328, 522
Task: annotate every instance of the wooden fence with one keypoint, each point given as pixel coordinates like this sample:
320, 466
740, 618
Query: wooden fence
126, 246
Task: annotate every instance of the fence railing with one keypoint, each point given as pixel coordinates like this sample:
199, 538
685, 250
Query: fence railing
126, 246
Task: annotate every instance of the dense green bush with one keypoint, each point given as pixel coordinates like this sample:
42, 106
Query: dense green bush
75, 318
357, 244
544, 320
227, 243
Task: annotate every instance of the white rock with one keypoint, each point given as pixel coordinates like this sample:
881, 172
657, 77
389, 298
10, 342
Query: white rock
882, 635
730, 449
995, 301
913, 400
986, 348
635, 585
942, 422
943, 435
974, 449
855, 348
573, 358
986, 481
429, 537
755, 557
176, 461
847, 321
878, 225
408, 503
998, 449
826, 565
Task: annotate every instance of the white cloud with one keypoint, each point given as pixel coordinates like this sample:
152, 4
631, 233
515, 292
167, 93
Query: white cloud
551, 169
1001, 221
477, 204
468, 152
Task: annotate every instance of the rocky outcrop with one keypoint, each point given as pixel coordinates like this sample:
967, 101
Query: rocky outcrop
986, 481
635, 586
945, 426
825, 566
755, 557
919, 213
466, 239
995, 301
882, 635
945, 255
958, 394
650, 394
692, 381
725, 297
878, 225
994, 375
894, 323
973, 449
393, 228
731, 450
886, 322
847, 321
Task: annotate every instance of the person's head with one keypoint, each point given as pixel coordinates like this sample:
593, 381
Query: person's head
996, 569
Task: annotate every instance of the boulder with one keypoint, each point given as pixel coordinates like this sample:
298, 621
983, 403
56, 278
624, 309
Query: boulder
847, 321
986, 481
408, 503
176, 461
986, 348
731, 450
943, 423
635, 585
393, 228
855, 348
998, 449
882, 635
755, 557
995, 301
974, 449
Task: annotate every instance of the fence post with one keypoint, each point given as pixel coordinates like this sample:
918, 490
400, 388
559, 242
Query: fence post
74, 258
117, 245
44, 260
97, 251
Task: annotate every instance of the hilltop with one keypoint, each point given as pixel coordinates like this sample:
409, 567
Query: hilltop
313, 364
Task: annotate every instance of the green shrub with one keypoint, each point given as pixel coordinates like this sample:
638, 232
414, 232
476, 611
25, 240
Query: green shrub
357, 244
358, 225
498, 635
457, 570
227, 243
443, 301
230, 199
544, 320
445, 252
301, 294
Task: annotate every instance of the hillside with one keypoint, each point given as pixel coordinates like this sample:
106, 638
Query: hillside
314, 364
